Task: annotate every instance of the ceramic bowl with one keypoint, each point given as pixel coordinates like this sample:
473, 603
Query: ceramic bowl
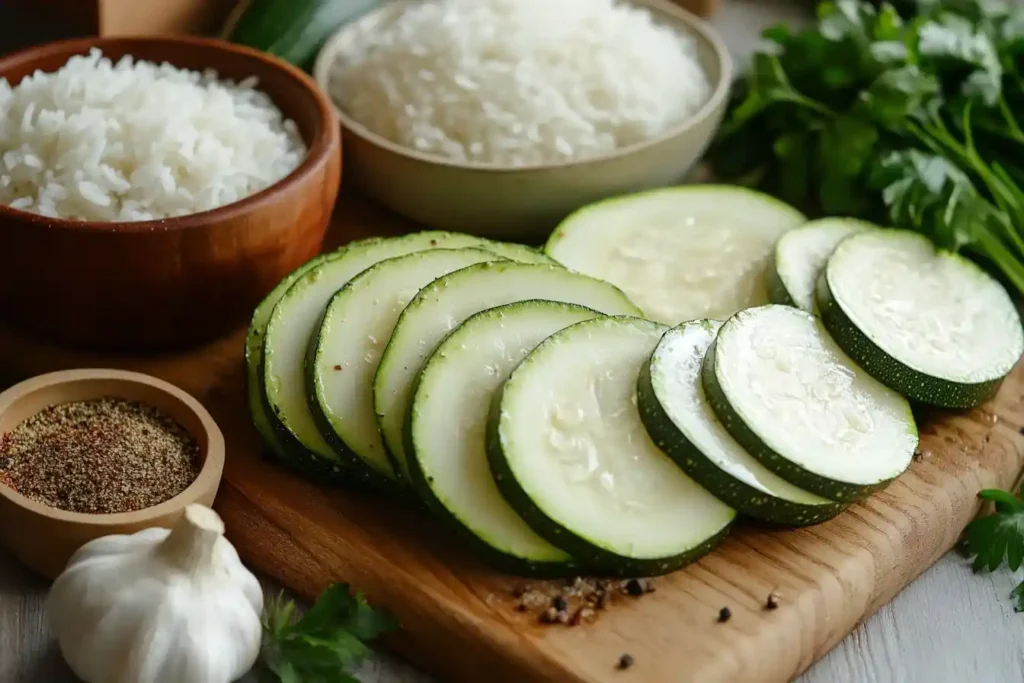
526, 203
45, 538
179, 281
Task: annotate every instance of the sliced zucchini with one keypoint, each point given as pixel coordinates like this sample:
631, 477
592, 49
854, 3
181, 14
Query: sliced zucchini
448, 302
800, 255
925, 322
355, 328
681, 422
294, 320
263, 422
790, 396
680, 253
446, 431
569, 452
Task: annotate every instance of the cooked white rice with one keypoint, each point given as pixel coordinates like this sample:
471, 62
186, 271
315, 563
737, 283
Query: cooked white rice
137, 141
517, 82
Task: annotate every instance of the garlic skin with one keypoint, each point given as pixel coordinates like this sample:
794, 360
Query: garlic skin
159, 606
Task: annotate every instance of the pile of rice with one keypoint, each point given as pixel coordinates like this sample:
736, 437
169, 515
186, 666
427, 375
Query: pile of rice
517, 82
137, 141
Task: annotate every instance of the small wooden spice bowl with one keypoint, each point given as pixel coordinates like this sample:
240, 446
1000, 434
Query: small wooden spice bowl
44, 538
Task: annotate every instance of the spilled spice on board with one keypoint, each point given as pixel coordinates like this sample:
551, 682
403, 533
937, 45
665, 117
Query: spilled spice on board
100, 456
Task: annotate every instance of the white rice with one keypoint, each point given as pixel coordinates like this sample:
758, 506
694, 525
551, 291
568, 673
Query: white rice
137, 141
517, 82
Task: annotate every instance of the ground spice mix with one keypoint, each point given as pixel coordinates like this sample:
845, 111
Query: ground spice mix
101, 456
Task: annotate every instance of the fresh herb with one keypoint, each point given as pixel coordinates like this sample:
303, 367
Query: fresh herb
999, 537
326, 643
905, 114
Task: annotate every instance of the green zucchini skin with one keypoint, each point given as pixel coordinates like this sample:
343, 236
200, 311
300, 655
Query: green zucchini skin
293, 30
839, 491
898, 376
358, 471
594, 559
730, 490
777, 292
300, 460
262, 420
503, 562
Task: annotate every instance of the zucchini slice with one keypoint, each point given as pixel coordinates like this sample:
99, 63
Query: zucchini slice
355, 328
680, 420
569, 451
261, 420
448, 302
680, 253
445, 435
801, 254
790, 396
292, 324
928, 323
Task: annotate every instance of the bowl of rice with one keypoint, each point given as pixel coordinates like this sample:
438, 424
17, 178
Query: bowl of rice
501, 117
153, 190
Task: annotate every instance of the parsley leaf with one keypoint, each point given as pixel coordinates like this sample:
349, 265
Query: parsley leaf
323, 645
997, 538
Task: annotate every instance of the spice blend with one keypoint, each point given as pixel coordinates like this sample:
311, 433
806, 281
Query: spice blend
101, 456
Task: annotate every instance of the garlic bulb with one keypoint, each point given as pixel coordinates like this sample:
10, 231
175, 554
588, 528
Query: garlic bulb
159, 606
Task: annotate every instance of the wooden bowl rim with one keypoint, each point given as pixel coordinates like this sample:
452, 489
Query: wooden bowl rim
209, 475
697, 27
325, 144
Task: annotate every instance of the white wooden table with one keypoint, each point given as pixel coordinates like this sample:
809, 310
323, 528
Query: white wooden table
949, 626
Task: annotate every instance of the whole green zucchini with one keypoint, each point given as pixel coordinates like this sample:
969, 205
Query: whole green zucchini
293, 30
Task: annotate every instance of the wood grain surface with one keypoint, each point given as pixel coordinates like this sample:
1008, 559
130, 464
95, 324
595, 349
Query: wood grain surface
458, 616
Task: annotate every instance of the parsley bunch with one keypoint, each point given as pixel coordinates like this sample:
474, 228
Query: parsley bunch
998, 537
326, 643
908, 114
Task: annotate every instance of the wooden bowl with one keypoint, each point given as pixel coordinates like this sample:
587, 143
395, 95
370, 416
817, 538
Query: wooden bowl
179, 281
526, 203
45, 538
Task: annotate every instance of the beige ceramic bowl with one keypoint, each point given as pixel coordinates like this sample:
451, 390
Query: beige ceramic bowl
45, 538
527, 203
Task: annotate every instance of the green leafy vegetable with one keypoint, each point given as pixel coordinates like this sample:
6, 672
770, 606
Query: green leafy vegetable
906, 113
326, 643
999, 537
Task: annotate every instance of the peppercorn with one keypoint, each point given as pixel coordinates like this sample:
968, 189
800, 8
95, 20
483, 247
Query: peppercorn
724, 615
636, 587
560, 603
773, 601
626, 661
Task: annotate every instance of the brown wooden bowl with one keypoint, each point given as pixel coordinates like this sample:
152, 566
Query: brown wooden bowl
45, 538
179, 281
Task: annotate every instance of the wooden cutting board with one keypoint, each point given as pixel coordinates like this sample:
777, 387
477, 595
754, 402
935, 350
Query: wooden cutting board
458, 616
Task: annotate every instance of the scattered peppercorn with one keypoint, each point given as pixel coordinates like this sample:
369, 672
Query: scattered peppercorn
560, 603
626, 661
724, 615
636, 587
1021, 430
337, 367
773, 601
101, 456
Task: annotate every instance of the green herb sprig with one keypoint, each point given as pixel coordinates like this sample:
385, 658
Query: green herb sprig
326, 643
997, 538
909, 115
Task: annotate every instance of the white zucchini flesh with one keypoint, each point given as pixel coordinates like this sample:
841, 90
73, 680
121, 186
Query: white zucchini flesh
355, 329
571, 438
676, 378
297, 314
933, 311
801, 254
795, 389
447, 303
446, 434
680, 253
